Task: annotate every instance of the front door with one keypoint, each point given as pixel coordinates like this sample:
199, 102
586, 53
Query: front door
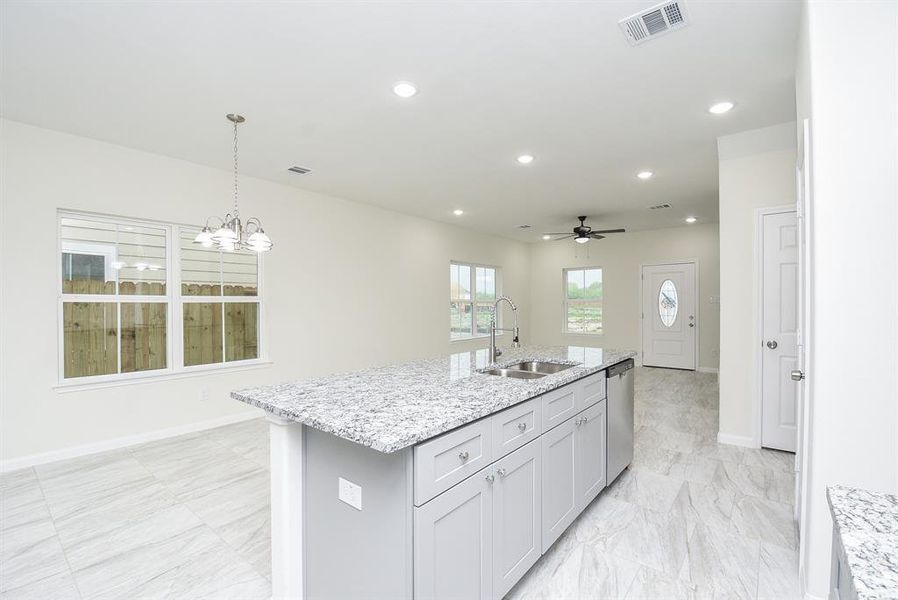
668, 316
779, 322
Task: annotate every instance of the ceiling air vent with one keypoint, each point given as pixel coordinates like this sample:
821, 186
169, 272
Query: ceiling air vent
299, 170
659, 206
654, 21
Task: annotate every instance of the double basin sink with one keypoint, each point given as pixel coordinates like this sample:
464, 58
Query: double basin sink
530, 369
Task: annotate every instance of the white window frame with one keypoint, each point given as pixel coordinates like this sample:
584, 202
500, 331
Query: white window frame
474, 266
567, 302
173, 298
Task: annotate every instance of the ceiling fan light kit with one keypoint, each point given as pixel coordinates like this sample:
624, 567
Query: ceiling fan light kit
231, 233
582, 233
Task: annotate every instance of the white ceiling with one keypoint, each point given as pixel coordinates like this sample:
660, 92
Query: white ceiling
554, 79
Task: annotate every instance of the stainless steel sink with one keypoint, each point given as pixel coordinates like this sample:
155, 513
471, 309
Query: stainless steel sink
515, 374
546, 368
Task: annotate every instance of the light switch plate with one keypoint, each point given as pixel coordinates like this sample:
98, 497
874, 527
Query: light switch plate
350, 493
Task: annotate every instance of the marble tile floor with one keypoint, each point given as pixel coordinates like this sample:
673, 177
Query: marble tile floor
188, 517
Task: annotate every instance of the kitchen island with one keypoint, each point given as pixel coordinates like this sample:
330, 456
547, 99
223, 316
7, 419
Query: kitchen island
431, 478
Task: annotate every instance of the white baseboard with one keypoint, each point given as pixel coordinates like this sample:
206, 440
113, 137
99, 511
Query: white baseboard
736, 440
707, 370
83, 450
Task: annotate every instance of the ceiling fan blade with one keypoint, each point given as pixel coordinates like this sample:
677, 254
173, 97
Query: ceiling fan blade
609, 231
595, 236
558, 233
564, 236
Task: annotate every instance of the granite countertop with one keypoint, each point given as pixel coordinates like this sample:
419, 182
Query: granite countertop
394, 407
867, 524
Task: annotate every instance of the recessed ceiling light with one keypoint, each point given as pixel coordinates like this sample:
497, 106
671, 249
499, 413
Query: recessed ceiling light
547, 237
691, 219
458, 212
645, 175
721, 107
404, 89
525, 159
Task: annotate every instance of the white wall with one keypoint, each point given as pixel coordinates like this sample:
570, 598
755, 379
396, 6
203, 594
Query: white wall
847, 85
621, 257
757, 170
392, 278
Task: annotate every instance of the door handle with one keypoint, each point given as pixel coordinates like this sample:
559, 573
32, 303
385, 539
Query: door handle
797, 375
772, 344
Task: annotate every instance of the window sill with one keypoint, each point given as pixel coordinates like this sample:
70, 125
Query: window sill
197, 371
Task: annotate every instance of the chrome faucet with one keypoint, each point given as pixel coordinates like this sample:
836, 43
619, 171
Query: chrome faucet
494, 351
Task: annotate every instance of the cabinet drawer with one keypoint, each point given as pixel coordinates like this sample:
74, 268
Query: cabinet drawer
450, 458
559, 405
515, 426
590, 390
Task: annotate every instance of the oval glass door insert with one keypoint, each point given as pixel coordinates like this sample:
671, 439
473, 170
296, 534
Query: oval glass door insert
667, 303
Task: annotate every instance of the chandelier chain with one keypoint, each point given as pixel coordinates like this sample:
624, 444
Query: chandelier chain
236, 209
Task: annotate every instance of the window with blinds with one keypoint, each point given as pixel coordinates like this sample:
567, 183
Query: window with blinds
139, 298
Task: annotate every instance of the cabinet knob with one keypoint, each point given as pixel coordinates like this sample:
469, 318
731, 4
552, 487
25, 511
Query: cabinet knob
502, 472
522, 427
772, 344
491, 478
463, 455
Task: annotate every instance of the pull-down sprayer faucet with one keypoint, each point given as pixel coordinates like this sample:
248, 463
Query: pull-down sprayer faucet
494, 351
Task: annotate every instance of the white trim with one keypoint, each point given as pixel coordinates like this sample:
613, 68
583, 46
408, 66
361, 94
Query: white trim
757, 316
708, 370
105, 381
42, 458
697, 298
565, 300
736, 440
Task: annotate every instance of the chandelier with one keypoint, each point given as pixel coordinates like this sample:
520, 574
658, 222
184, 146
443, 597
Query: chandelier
230, 232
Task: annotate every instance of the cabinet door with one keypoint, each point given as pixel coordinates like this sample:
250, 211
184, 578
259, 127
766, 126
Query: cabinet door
559, 451
517, 516
590, 429
453, 542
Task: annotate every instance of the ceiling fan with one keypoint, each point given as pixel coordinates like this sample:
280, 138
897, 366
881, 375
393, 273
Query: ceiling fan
583, 233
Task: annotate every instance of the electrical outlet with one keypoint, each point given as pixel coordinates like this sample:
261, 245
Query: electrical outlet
204, 394
350, 493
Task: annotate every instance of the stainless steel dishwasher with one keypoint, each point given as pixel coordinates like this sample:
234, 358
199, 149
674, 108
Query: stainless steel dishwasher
620, 418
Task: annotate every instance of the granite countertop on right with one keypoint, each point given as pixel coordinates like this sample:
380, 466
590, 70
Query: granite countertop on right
867, 524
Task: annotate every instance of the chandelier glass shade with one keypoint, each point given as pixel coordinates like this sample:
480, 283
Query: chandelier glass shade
230, 233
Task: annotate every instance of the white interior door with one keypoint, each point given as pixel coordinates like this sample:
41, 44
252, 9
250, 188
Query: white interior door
779, 323
669, 320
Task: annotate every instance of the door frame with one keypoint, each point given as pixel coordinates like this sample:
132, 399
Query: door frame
698, 322
758, 285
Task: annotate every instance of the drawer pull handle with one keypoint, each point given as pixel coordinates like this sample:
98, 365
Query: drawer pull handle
491, 478
522, 427
463, 455
501, 472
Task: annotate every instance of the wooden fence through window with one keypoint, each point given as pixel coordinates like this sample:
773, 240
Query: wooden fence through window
90, 344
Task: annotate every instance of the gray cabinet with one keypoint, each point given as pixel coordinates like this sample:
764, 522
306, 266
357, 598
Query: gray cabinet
573, 469
559, 450
590, 433
494, 495
517, 516
477, 539
453, 542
